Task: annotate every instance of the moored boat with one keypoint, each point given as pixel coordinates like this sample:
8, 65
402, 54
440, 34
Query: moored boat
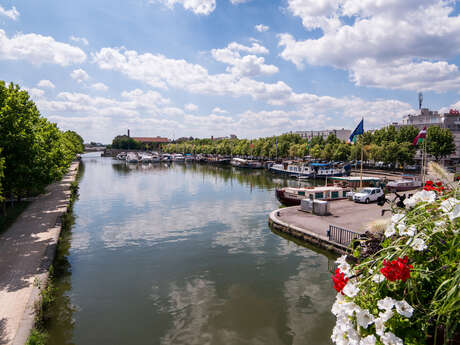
405, 184
132, 157
246, 163
293, 196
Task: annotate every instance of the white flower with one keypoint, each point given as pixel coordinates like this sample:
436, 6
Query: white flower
411, 202
426, 196
369, 340
410, 231
378, 278
439, 223
353, 337
351, 290
418, 244
390, 230
390, 339
343, 265
386, 304
338, 336
387, 315
403, 308
397, 217
455, 212
379, 326
364, 318
448, 204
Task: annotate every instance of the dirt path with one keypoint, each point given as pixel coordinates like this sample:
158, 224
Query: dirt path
26, 251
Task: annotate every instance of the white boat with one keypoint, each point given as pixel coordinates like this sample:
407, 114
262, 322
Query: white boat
132, 157
291, 169
293, 196
178, 158
146, 158
121, 156
166, 157
246, 163
311, 170
405, 184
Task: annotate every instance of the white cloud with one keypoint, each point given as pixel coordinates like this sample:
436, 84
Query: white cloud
81, 40
407, 75
46, 83
218, 110
382, 33
13, 13
248, 65
39, 49
36, 93
191, 107
236, 2
161, 72
79, 75
99, 87
204, 7
261, 27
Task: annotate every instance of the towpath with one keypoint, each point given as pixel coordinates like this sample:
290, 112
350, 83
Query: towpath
26, 251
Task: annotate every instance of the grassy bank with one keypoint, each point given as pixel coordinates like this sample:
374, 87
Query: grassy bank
48, 292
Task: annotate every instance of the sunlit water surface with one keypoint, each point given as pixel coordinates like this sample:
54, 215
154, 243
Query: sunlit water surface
182, 254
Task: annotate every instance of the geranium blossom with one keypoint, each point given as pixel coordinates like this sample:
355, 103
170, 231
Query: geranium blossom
339, 280
403, 308
397, 269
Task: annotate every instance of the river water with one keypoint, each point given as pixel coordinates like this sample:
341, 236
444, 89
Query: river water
182, 254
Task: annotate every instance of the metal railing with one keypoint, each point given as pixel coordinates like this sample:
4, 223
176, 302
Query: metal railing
340, 235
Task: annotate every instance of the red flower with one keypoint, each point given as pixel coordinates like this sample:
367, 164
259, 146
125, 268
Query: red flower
429, 183
397, 269
339, 280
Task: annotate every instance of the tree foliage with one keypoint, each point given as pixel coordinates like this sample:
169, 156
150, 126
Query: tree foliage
126, 143
439, 142
34, 152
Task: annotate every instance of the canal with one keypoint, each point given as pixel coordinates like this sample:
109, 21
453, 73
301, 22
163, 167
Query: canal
182, 254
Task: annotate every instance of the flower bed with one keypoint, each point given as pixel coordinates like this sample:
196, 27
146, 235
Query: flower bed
407, 292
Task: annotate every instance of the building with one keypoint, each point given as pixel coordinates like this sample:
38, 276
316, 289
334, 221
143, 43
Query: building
342, 134
151, 141
428, 118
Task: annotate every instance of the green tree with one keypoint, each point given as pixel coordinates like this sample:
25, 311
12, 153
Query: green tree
439, 142
125, 143
406, 134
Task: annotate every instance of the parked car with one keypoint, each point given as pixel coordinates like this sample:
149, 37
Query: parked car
368, 195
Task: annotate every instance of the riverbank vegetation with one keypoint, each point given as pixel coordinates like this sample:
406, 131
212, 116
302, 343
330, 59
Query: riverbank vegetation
33, 151
388, 145
405, 290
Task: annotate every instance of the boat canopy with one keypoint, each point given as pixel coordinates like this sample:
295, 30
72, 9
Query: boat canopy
320, 164
356, 178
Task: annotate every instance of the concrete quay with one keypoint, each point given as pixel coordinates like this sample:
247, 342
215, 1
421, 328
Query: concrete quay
27, 250
313, 229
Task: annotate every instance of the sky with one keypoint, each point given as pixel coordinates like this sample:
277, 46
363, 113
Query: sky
252, 68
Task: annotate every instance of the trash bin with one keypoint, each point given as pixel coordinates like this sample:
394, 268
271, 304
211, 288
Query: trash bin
306, 205
320, 207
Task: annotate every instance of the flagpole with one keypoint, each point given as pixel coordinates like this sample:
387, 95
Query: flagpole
361, 173
362, 157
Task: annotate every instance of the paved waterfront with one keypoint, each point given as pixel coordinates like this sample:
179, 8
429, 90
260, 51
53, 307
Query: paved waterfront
343, 213
26, 251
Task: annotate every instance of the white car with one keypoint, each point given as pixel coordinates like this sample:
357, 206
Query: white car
368, 195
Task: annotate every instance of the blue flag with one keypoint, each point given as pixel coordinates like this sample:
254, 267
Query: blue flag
358, 130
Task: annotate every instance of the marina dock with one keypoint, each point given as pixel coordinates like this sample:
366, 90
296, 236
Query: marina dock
347, 220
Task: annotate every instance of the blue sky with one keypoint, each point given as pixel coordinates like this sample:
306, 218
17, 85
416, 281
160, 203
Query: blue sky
218, 67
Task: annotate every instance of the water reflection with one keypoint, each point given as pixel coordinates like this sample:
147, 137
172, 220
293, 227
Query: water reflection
182, 254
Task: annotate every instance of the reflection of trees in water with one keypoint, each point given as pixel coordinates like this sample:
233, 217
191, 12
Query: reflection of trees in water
60, 321
253, 178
